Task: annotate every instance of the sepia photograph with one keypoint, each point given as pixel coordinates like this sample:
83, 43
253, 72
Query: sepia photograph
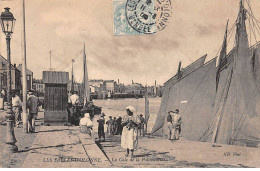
129, 84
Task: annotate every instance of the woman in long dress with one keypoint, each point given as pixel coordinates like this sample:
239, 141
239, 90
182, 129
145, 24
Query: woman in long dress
130, 123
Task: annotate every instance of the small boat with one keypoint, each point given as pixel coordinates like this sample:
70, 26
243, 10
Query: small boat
87, 105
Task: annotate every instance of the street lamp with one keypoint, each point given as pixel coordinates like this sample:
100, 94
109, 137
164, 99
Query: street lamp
7, 23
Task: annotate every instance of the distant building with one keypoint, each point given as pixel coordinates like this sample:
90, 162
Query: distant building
155, 91
29, 77
38, 86
135, 88
151, 90
97, 86
15, 75
159, 91
96, 83
121, 88
110, 86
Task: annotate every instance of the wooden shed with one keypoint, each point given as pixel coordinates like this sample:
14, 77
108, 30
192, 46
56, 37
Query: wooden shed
55, 97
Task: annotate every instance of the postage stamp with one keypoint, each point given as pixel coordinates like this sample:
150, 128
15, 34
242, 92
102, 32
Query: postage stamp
121, 25
139, 17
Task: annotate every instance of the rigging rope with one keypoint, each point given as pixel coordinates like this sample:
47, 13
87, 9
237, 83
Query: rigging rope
196, 89
257, 89
226, 89
250, 13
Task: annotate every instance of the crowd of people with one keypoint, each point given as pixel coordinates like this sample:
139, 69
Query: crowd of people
114, 125
128, 127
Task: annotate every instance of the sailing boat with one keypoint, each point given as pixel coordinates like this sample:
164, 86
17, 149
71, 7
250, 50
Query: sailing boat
237, 105
88, 105
196, 85
222, 106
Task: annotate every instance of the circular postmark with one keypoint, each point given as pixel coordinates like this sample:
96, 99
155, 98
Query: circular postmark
164, 12
148, 16
141, 15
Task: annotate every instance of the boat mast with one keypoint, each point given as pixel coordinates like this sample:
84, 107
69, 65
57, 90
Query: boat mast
147, 114
179, 70
85, 79
221, 58
240, 32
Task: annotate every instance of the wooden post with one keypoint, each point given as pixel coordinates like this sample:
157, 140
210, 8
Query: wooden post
24, 76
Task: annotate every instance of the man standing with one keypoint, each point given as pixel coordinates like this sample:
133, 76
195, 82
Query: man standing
141, 125
74, 98
16, 104
73, 109
101, 123
176, 124
114, 126
2, 96
109, 125
169, 124
119, 126
32, 104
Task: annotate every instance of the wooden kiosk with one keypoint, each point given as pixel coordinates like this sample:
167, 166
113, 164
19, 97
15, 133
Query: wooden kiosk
55, 97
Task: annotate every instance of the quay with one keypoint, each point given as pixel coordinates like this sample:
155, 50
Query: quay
66, 147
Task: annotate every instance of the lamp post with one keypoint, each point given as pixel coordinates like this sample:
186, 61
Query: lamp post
7, 23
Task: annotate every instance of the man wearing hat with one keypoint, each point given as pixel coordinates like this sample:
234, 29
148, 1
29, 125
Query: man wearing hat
109, 125
176, 124
141, 127
101, 123
32, 104
16, 106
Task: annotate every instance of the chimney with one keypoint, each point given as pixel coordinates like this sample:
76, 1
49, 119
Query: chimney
15, 65
132, 81
118, 81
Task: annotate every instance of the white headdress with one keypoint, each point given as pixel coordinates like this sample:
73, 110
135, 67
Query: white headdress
131, 108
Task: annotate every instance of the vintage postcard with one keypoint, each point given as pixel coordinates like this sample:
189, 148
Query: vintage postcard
130, 84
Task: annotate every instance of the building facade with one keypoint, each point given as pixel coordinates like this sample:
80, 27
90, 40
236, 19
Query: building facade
38, 86
29, 77
15, 75
110, 86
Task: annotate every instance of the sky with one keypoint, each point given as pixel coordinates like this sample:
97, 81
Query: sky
196, 28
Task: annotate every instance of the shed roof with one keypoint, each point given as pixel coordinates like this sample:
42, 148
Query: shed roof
54, 77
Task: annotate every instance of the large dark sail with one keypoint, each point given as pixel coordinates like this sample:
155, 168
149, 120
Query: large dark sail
222, 57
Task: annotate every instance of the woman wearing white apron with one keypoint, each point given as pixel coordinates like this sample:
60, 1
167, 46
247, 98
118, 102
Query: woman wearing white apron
130, 123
